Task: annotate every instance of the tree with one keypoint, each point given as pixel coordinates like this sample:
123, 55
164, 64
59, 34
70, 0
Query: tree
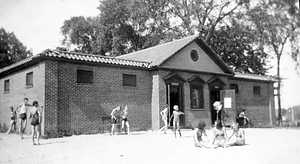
234, 45
277, 23
125, 26
11, 49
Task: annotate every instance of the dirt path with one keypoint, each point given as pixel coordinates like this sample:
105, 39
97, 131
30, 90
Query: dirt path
263, 146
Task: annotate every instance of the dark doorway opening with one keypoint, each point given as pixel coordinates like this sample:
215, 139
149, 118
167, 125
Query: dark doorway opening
214, 92
175, 98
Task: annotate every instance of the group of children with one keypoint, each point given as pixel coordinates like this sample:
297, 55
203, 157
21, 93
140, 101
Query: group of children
220, 138
35, 116
124, 117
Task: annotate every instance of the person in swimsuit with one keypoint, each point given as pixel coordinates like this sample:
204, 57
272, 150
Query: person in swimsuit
176, 121
164, 116
219, 136
199, 134
35, 115
237, 137
125, 119
114, 120
13, 118
244, 117
22, 111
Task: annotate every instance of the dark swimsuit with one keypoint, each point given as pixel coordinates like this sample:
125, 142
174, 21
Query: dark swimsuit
23, 116
35, 119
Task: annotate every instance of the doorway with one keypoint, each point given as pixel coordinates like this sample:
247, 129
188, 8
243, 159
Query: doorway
214, 92
174, 96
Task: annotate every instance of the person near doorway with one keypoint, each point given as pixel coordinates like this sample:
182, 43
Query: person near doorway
222, 115
200, 136
114, 120
219, 135
176, 120
237, 137
125, 120
22, 111
35, 115
164, 116
13, 120
244, 117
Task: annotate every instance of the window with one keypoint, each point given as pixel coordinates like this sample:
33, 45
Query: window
256, 90
6, 86
85, 77
29, 79
129, 80
197, 100
194, 55
235, 87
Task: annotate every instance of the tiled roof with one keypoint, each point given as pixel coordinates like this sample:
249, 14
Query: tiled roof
158, 54
255, 77
95, 58
79, 57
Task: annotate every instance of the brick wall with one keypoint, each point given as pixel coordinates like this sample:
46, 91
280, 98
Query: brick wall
258, 107
81, 106
18, 91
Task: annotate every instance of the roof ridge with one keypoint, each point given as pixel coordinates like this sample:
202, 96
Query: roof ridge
160, 45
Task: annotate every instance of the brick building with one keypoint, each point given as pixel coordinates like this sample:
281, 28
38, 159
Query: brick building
77, 89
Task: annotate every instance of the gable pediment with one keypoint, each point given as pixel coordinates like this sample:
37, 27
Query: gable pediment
194, 57
216, 81
174, 77
196, 80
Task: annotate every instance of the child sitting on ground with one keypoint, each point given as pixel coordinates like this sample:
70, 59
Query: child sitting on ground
199, 134
238, 136
220, 135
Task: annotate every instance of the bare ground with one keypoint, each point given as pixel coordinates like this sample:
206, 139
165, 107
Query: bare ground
263, 146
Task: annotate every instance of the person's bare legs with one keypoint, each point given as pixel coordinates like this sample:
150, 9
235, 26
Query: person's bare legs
178, 129
21, 128
37, 131
10, 127
123, 124
127, 125
112, 129
33, 134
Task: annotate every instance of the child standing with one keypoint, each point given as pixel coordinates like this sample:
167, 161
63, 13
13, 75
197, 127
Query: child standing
125, 119
35, 115
114, 120
164, 116
176, 121
13, 118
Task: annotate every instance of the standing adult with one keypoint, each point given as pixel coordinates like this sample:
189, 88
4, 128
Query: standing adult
222, 115
114, 119
164, 116
22, 111
35, 115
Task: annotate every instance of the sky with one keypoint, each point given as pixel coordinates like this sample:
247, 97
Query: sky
37, 23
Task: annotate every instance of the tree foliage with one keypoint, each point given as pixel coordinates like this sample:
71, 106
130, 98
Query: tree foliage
11, 49
125, 26
277, 23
